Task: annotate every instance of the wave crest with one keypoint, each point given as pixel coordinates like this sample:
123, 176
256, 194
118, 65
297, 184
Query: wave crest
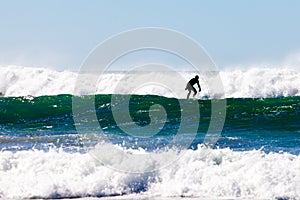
250, 83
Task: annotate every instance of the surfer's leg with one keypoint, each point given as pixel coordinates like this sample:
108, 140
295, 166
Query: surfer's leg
188, 95
195, 91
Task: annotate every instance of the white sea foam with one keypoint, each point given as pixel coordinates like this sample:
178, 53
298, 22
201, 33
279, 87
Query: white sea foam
202, 173
253, 82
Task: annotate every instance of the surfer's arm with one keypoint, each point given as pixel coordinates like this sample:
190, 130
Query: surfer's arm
199, 86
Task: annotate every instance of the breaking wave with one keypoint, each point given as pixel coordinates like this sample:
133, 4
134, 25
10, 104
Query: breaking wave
248, 83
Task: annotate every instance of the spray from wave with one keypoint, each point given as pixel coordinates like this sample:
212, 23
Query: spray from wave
248, 83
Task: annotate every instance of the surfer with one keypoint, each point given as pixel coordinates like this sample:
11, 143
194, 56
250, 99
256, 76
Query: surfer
190, 87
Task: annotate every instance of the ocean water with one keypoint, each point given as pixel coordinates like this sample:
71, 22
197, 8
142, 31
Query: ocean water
44, 155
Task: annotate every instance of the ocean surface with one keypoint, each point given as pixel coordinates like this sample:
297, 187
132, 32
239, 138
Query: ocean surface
47, 152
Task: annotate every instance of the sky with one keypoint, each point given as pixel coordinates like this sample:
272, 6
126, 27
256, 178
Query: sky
59, 34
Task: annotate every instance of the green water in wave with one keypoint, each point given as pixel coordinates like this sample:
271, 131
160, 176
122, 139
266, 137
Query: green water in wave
27, 122
56, 112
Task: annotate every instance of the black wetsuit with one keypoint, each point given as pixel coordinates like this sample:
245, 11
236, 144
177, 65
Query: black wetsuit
190, 86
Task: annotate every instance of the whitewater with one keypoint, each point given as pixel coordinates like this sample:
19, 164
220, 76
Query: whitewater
248, 83
203, 173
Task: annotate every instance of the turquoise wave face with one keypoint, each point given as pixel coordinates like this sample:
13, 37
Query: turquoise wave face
272, 123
